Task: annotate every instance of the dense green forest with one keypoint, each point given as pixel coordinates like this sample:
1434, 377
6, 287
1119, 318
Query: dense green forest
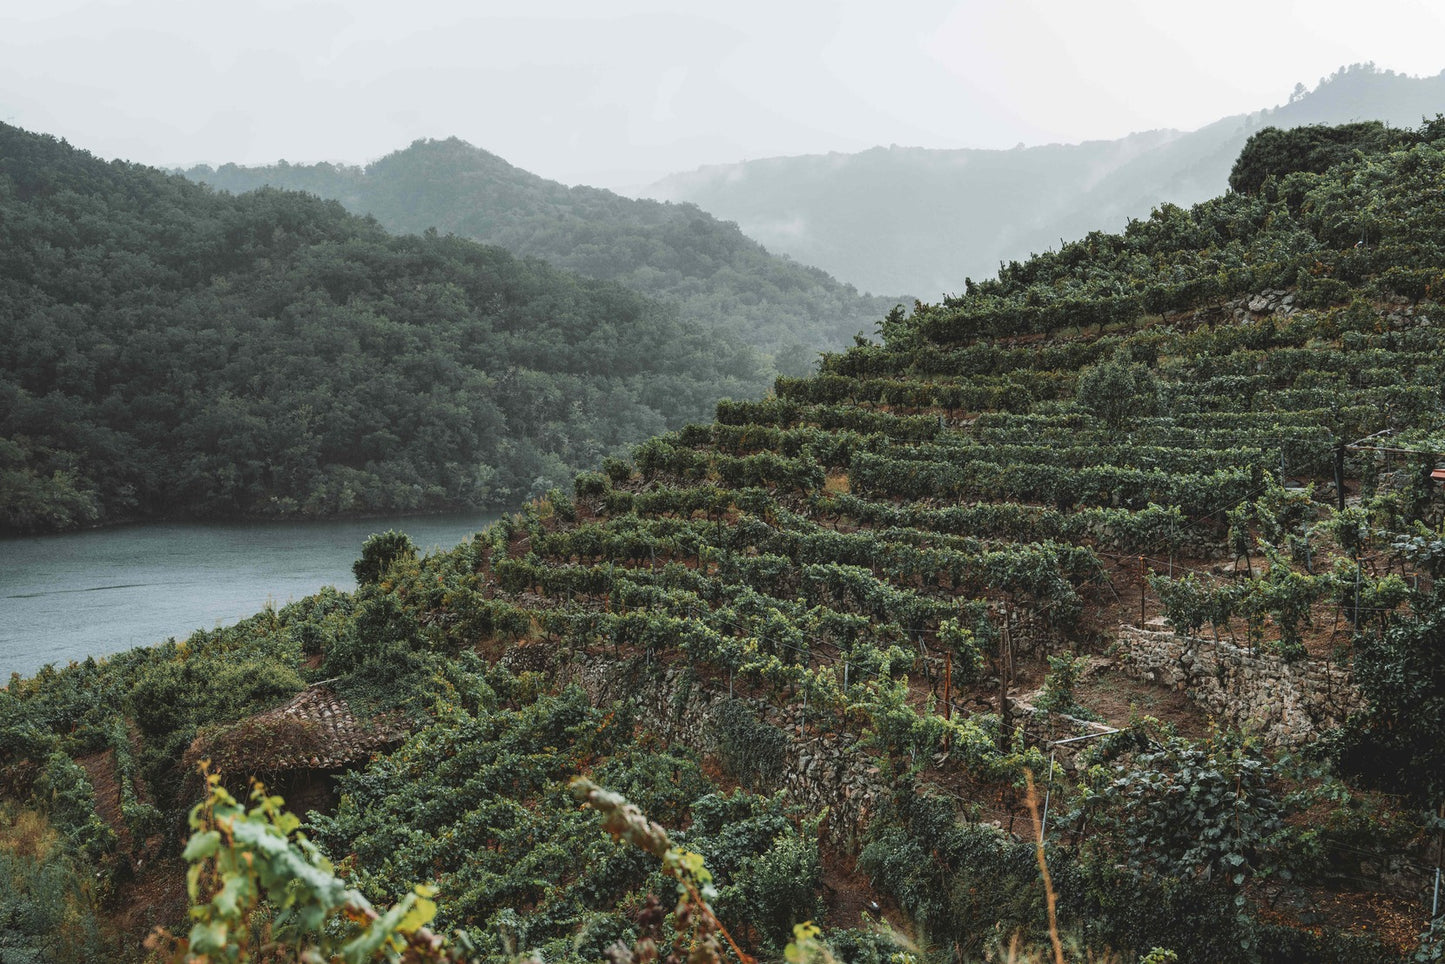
170, 350
676, 253
915, 219
874, 651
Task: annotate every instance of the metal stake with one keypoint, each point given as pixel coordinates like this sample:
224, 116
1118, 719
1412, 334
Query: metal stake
1435, 903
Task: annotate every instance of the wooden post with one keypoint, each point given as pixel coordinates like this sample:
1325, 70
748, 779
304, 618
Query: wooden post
1358, 569
1143, 586
1439, 859
947, 696
1340, 475
1005, 670
948, 685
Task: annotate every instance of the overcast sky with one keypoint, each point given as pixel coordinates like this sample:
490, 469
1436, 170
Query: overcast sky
619, 92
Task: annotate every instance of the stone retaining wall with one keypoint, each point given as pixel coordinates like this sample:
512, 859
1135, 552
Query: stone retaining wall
818, 771
1285, 704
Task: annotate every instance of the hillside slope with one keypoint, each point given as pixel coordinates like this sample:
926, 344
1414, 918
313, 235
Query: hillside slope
170, 350
717, 277
913, 219
1165, 494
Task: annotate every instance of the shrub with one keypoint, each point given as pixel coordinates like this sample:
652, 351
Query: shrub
379, 552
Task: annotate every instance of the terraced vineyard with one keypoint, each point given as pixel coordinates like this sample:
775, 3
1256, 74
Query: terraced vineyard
894, 590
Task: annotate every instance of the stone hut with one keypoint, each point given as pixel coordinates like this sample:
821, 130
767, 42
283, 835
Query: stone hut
296, 750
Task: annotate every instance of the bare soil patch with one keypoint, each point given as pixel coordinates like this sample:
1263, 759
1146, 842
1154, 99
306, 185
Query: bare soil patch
1114, 698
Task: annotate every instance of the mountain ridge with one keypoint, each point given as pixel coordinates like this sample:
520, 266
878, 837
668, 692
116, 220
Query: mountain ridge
712, 272
937, 230
171, 350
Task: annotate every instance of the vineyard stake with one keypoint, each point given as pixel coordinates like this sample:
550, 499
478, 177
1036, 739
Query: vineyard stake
1143, 584
1340, 475
1439, 854
947, 685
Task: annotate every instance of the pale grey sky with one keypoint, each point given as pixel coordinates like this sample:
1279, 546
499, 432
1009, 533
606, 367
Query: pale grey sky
618, 92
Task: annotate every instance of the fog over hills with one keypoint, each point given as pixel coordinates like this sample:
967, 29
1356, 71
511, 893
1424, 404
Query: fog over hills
921, 220
718, 277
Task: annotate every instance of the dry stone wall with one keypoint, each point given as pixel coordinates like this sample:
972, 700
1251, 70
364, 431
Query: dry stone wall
1285, 704
818, 770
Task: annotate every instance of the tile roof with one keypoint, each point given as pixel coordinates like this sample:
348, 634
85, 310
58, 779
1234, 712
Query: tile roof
316, 730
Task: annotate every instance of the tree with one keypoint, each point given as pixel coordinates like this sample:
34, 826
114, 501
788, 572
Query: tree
379, 552
1272, 152
1116, 390
1395, 742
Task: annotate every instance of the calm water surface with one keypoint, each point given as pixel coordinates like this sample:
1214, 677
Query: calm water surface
81, 594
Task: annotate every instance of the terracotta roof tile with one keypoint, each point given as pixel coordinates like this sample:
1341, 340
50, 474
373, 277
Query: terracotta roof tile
315, 730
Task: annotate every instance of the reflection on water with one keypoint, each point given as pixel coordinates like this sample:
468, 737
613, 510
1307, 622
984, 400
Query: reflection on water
81, 594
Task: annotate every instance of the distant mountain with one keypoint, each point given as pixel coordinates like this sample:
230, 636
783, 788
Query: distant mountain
169, 350
912, 219
718, 277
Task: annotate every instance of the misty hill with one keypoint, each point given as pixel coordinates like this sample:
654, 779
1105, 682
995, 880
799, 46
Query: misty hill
718, 277
913, 219
171, 350
1144, 526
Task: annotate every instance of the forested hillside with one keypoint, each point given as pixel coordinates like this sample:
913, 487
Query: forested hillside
167, 350
914, 219
1123, 568
717, 277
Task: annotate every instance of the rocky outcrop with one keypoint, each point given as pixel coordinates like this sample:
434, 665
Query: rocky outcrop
1397, 311
1272, 301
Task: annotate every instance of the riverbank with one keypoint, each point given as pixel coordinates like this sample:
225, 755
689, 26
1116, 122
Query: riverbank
96, 592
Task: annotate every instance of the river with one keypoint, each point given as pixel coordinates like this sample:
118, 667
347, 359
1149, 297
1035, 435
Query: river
94, 593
